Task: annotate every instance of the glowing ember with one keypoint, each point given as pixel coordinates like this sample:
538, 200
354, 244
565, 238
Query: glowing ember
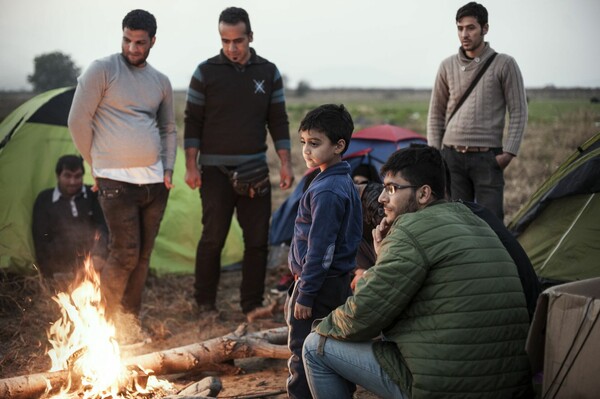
83, 343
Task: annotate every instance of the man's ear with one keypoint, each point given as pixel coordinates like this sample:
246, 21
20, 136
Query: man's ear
485, 29
424, 195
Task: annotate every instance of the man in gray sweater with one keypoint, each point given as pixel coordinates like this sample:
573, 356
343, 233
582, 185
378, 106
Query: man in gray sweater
122, 121
471, 139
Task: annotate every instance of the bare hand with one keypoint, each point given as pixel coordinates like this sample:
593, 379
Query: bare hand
286, 176
302, 312
168, 178
379, 233
95, 186
504, 159
358, 274
193, 178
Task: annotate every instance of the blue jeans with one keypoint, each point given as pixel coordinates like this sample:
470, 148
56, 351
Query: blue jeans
476, 177
133, 213
328, 372
219, 202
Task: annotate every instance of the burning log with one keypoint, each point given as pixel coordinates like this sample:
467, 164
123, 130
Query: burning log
195, 357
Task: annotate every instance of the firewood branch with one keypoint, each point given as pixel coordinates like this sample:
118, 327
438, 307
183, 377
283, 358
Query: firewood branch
195, 357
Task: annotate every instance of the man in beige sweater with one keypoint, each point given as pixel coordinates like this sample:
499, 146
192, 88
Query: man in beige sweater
471, 139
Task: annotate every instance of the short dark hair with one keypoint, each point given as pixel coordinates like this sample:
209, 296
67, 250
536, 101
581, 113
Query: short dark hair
235, 15
372, 209
332, 120
140, 20
367, 170
69, 162
419, 166
473, 9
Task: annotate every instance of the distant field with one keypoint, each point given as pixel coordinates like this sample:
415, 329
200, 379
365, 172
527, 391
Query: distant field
559, 120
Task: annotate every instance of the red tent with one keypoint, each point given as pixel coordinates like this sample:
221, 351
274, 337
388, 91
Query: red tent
387, 133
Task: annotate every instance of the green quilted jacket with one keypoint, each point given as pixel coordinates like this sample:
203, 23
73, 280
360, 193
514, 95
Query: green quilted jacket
447, 299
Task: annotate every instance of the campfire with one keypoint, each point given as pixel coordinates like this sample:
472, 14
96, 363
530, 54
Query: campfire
84, 346
87, 361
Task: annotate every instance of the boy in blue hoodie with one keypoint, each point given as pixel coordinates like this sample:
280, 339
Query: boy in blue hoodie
327, 233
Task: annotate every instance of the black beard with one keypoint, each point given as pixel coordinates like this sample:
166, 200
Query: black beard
140, 63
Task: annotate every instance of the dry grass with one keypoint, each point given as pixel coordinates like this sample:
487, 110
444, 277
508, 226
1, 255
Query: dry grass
24, 317
554, 132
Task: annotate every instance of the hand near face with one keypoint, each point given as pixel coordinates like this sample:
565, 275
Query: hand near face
379, 234
302, 312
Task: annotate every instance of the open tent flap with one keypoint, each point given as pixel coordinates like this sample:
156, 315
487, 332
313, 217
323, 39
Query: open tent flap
27, 165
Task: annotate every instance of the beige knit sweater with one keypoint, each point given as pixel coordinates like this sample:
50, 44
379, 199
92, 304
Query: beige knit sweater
480, 120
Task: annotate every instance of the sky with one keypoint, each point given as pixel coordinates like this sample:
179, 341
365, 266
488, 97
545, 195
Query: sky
326, 43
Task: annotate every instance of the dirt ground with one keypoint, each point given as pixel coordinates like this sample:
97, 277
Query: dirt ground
169, 319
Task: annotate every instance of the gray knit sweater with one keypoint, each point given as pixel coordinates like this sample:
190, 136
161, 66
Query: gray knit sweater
480, 120
122, 116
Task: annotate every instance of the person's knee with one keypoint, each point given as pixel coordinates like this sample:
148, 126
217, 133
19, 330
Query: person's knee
310, 345
125, 258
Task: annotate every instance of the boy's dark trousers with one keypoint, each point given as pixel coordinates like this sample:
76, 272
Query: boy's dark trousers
333, 293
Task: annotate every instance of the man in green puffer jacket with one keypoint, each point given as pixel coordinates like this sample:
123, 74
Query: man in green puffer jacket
442, 313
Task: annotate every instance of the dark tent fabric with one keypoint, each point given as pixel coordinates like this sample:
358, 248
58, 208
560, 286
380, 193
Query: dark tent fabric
32, 138
559, 226
370, 146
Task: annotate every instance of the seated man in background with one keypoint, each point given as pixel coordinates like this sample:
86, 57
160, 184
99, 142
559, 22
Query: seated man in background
372, 211
68, 223
364, 174
441, 313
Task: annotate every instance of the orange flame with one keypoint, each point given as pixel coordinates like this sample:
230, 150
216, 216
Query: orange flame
83, 343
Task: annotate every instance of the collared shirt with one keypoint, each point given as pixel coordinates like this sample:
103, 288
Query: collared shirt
56, 195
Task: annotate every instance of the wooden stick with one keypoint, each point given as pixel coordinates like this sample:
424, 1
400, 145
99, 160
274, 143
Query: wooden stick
195, 357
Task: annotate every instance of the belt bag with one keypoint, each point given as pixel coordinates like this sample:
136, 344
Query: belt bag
250, 179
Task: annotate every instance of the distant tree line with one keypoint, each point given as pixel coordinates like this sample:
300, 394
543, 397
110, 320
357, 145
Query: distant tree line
53, 70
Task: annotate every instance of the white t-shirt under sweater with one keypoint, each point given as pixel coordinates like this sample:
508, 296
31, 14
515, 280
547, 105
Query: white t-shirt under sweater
140, 175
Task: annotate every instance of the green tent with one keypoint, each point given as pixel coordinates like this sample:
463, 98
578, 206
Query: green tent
32, 138
559, 227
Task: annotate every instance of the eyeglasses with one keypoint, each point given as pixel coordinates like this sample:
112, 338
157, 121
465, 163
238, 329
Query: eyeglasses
391, 188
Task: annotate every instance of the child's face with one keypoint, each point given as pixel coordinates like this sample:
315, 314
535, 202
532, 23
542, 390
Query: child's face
318, 150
